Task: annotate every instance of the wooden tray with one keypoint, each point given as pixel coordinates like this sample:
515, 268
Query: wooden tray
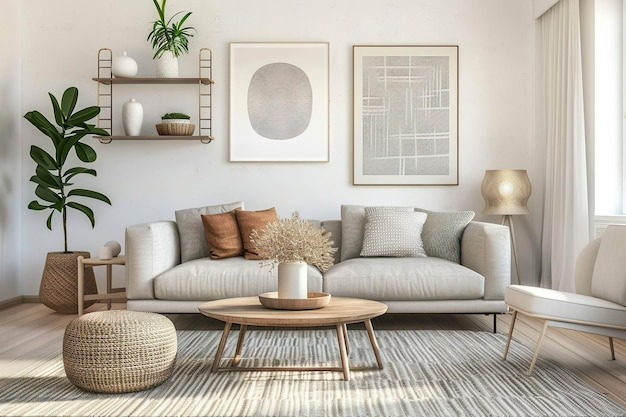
313, 301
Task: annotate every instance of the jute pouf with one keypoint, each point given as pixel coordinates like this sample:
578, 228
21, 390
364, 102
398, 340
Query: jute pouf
119, 350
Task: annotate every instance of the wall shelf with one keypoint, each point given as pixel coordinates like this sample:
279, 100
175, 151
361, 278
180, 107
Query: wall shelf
204, 81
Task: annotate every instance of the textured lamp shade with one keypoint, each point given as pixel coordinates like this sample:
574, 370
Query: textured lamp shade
506, 191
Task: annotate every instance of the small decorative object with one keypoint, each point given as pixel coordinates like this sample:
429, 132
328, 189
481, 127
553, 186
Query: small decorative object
132, 117
116, 248
175, 124
124, 66
169, 40
56, 188
291, 243
106, 253
312, 301
506, 192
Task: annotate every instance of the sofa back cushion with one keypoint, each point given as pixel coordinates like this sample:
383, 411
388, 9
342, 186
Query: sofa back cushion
193, 244
609, 275
441, 234
443, 231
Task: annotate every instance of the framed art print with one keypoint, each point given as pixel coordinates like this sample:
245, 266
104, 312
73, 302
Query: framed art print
279, 102
405, 115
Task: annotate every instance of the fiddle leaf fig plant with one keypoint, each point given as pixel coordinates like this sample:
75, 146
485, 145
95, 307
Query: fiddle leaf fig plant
55, 183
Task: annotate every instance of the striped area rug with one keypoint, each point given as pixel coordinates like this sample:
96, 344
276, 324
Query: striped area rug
427, 373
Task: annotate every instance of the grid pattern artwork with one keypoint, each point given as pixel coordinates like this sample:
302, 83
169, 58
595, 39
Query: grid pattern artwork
405, 116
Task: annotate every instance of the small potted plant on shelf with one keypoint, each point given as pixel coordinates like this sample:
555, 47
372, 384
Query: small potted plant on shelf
56, 192
175, 118
175, 124
291, 244
169, 40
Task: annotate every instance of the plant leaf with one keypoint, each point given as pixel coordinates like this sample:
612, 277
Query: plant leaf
85, 152
58, 113
40, 122
83, 115
43, 158
88, 193
35, 205
46, 178
78, 170
68, 102
49, 221
46, 194
85, 210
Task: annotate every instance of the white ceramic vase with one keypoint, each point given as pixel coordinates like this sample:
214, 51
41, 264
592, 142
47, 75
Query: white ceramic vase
167, 65
132, 117
292, 280
124, 66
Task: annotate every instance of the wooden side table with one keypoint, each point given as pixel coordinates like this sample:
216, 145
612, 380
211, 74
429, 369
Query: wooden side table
112, 293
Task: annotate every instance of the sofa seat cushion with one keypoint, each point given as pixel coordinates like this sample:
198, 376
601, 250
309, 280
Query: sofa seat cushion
212, 279
564, 306
401, 279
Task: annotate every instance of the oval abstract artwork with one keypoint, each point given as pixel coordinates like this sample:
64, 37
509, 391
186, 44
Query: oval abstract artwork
280, 101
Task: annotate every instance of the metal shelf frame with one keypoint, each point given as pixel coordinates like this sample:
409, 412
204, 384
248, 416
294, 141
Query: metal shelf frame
106, 81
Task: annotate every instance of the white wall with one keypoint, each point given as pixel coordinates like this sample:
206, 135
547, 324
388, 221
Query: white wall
10, 161
149, 180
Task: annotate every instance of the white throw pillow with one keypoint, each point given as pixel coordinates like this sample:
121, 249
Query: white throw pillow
392, 232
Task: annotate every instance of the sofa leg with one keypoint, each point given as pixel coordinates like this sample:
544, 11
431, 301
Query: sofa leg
612, 348
495, 323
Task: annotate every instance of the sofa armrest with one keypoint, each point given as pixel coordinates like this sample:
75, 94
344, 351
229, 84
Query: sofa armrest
486, 249
151, 249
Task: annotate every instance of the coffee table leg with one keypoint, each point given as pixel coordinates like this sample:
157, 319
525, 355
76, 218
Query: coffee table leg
370, 332
242, 333
342, 349
345, 336
220, 348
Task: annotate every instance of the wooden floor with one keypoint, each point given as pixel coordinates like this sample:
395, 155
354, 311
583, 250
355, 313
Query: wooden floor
32, 332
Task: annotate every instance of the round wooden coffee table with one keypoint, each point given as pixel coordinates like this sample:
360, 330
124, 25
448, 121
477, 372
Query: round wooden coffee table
248, 311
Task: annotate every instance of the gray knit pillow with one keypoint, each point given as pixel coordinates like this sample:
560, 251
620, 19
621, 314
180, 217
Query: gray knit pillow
443, 231
392, 232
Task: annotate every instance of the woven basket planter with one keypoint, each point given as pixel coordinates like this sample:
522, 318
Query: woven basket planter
119, 351
175, 129
59, 283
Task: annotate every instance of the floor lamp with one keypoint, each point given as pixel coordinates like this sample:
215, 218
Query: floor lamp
506, 192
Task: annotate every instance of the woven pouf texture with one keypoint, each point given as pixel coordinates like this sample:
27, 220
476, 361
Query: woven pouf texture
119, 351
59, 282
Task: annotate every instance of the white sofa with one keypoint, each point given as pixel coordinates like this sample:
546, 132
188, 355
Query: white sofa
168, 271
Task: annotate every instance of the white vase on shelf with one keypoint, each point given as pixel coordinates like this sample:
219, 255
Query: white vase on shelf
167, 66
124, 66
292, 280
132, 117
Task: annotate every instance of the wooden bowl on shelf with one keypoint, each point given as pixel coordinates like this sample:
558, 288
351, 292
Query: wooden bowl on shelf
175, 129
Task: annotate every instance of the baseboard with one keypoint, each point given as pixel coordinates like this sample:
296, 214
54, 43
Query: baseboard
22, 299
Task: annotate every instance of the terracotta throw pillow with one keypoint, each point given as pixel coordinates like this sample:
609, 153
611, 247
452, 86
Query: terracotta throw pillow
222, 235
249, 221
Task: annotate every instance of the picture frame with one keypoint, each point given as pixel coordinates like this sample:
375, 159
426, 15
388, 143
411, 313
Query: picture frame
405, 115
279, 102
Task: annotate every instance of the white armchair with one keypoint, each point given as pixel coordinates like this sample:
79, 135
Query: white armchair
598, 306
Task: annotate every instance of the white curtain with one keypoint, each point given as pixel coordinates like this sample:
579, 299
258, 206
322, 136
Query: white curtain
566, 213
